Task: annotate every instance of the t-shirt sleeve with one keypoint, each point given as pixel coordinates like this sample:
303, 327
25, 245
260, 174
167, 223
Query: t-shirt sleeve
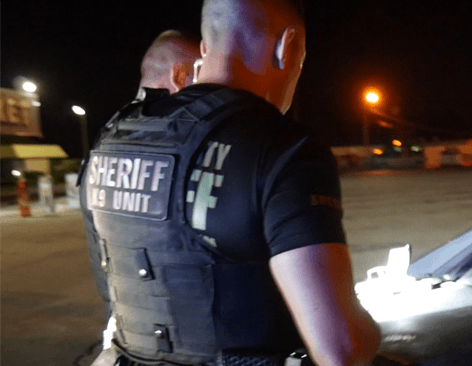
302, 203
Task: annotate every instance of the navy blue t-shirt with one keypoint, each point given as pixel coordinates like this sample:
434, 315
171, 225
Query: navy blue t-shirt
261, 184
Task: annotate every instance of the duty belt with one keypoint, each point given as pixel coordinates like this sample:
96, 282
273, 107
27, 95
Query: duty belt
234, 358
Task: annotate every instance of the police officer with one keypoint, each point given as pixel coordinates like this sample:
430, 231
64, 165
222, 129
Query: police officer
166, 67
201, 199
168, 62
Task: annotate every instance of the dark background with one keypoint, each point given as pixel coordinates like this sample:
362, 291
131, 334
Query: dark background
417, 54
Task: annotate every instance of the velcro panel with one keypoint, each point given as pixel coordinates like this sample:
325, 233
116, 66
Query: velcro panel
192, 294
141, 300
129, 313
155, 288
201, 331
164, 132
156, 257
180, 257
189, 282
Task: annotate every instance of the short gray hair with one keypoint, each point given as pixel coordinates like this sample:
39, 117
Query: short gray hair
219, 16
156, 63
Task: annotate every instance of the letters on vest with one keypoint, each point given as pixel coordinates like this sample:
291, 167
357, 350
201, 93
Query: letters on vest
199, 193
130, 184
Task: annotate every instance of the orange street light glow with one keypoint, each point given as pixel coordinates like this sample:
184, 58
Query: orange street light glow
372, 97
396, 143
377, 152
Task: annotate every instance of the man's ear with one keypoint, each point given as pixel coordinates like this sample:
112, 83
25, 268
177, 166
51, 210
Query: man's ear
178, 77
203, 48
282, 47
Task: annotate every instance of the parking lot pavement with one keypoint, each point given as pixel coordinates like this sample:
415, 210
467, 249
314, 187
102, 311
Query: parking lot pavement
51, 311
12, 211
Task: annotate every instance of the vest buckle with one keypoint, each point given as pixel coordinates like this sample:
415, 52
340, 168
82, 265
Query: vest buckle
104, 255
162, 337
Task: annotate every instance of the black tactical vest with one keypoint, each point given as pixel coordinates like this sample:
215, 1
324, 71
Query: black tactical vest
175, 297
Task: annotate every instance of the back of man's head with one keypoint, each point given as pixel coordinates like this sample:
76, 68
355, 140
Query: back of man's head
258, 41
219, 16
168, 62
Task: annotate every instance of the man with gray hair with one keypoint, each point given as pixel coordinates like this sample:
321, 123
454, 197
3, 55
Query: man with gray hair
219, 219
259, 46
168, 62
166, 68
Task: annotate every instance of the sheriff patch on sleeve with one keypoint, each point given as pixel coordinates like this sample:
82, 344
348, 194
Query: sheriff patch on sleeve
130, 184
326, 201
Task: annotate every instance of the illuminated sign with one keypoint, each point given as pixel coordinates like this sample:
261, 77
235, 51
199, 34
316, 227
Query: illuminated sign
19, 113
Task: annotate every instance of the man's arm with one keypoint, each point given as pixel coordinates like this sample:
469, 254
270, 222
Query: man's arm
316, 283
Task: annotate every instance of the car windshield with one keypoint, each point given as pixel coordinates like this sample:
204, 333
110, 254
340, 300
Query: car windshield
450, 261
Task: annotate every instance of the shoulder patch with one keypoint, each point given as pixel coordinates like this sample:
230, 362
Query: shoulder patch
326, 201
130, 184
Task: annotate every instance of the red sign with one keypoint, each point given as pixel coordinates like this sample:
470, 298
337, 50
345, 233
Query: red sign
19, 113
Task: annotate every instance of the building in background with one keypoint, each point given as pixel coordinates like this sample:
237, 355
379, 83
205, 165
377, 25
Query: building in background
22, 143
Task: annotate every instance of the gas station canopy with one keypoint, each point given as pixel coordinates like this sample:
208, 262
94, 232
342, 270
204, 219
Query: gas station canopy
19, 151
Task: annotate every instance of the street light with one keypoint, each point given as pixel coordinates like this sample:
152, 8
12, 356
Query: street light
21, 83
83, 124
397, 143
29, 87
371, 98
78, 110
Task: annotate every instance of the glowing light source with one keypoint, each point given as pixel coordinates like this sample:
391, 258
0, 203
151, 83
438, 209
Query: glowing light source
396, 143
196, 68
372, 97
377, 152
16, 173
83, 125
384, 124
78, 110
29, 87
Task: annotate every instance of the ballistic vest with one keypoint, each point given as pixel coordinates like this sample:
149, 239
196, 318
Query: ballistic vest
175, 297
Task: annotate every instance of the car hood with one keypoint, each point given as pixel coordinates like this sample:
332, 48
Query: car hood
450, 261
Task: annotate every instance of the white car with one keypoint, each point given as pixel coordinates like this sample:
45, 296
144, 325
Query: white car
424, 309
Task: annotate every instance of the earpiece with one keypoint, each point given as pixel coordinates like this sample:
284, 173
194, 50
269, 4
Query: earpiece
279, 54
196, 68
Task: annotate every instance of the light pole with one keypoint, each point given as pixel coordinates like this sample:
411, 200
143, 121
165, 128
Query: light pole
371, 98
83, 125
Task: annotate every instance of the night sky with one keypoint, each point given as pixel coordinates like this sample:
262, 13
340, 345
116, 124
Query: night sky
418, 54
